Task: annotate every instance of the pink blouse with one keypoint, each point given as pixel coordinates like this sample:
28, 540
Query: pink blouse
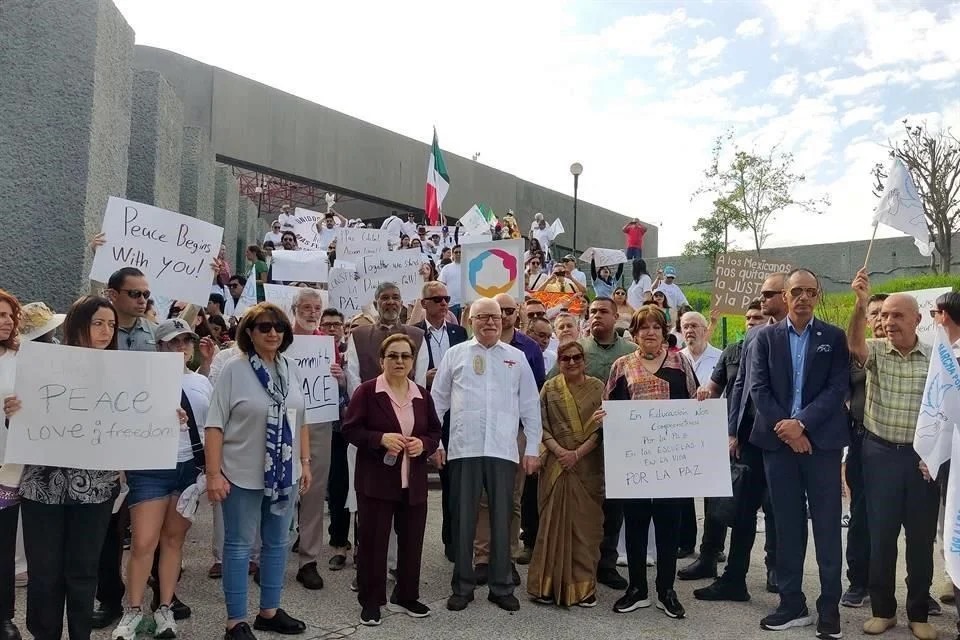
403, 409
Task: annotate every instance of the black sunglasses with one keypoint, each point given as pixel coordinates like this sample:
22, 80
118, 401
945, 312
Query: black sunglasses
576, 357
508, 311
264, 327
438, 299
770, 294
136, 293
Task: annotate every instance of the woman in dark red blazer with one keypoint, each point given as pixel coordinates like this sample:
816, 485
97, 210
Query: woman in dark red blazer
394, 425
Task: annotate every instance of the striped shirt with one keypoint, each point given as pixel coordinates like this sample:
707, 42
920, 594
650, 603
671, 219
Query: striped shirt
894, 389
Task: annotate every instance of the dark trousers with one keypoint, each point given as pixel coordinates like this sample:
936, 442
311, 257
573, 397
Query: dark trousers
375, 517
790, 476
612, 523
714, 535
858, 531
744, 532
338, 486
468, 478
62, 544
529, 512
110, 589
665, 514
8, 560
446, 525
898, 496
687, 531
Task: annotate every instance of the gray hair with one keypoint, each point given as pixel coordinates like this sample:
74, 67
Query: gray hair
303, 293
384, 286
694, 315
482, 302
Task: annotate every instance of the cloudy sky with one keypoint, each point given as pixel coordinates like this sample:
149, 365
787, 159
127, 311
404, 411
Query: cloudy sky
635, 91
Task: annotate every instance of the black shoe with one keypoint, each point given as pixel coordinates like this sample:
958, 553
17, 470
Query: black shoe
104, 617
684, 552
669, 604
772, 581
309, 577
633, 599
589, 602
829, 629
703, 567
240, 631
526, 554
612, 578
855, 597
721, 557
9, 631
370, 616
281, 623
481, 573
514, 575
933, 607
723, 591
507, 603
412, 608
337, 562
783, 619
458, 603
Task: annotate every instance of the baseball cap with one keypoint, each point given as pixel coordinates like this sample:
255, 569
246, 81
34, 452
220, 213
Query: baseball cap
170, 329
669, 272
568, 258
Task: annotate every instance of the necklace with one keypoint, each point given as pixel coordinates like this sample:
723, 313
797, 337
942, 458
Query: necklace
650, 356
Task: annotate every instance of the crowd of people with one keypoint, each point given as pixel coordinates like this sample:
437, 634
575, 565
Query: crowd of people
503, 398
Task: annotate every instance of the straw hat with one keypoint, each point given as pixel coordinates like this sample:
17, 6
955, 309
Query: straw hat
37, 319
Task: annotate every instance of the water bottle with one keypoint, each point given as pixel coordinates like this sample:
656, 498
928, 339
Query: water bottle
390, 459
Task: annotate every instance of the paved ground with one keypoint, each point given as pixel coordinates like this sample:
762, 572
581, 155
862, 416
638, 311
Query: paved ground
333, 612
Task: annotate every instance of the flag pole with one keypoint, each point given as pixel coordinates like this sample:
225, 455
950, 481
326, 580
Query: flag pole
870, 246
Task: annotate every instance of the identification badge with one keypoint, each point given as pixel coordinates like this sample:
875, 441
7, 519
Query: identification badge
479, 365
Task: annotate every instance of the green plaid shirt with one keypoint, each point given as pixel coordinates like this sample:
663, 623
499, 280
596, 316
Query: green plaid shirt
894, 390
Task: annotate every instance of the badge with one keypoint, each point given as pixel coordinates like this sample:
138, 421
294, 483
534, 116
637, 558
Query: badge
479, 365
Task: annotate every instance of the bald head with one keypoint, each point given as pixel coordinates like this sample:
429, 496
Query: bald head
902, 300
900, 317
508, 307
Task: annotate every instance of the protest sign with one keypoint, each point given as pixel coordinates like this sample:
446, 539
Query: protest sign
478, 219
400, 267
321, 392
96, 409
666, 449
474, 238
283, 295
490, 268
739, 278
348, 292
940, 405
299, 266
604, 257
927, 300
951, 519
305, 227
354, 243
174, 251
555, 302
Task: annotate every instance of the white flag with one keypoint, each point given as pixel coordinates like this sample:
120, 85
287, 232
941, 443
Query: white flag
556, 228
940, 406
249, 296
900, 208
951, 520
474, 222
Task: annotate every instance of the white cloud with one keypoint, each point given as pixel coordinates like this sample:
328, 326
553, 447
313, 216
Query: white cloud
750, 28
865, 113
785, 85
904, 36
705, 54
644, 35
797, 20
858, 84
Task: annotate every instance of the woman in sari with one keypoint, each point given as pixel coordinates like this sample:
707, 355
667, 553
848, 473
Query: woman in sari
564, 564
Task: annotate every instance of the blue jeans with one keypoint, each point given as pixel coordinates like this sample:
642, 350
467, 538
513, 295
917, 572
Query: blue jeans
633, 253
243, 511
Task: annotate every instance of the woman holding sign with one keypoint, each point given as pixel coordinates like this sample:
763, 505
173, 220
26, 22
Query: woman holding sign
257, 452
652, 372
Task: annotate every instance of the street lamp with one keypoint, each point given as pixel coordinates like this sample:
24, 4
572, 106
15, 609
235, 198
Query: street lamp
576, 169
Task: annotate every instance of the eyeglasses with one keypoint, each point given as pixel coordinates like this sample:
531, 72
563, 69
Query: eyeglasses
935, 312
575, 358
265, 327
397, 357
438, 299
487, 317
811, 292
331, 325
136, 293
534, 264
533, 315
508, 311
770, 294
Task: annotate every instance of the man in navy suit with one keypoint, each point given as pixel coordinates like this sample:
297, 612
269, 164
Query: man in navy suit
800, 372
439, 336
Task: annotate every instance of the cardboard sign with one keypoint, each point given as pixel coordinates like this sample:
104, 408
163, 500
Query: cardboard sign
739, 278
321, 392
174, 251
94, 409
604, 257
299, 266
352, 244
491, 268
666, 449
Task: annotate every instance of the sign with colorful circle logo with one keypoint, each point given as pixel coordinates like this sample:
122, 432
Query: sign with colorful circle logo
492, 268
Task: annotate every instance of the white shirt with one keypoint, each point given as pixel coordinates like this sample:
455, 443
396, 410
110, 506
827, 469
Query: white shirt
273, 237
579, 276
353, 367
549, 359
286, 221
450, 276
198, 390
439, 341
637, 289
488, 392
544, 237
674, 295
326, 236
393, 226
409, 229
447, 241
704, 365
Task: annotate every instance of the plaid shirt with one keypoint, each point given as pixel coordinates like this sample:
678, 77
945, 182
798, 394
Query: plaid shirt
894, 390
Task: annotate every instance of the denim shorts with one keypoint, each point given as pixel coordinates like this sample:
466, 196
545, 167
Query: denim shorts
160, 483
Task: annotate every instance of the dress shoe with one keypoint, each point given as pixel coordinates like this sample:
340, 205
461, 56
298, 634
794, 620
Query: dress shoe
104, 617
239, 631
459, 603
612, 578
514, 575
481, 573
703, 567
507, 603
309, 577
772, 581
723, 591
281, 622
337, 562
9, 631
525, 556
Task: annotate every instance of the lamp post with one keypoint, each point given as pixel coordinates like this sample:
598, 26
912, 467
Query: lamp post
575, 169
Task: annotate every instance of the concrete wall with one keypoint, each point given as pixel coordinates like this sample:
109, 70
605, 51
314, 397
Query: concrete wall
226, 202
258, 125
197, 177
156, 142
65, 100
835, 263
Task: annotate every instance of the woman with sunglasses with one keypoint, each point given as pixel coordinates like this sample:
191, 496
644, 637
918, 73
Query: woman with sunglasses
534, 277
394, 425
624, 310
564, 566
257, 451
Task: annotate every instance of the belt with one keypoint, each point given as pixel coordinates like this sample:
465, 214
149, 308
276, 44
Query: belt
886, 443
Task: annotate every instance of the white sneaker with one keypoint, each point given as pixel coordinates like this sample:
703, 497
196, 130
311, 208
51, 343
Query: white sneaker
166, 625
127, 629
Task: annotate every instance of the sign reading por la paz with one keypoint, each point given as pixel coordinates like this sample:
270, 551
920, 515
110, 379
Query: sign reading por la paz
313, 356
174, 251
95, 409
739, 278
666, 449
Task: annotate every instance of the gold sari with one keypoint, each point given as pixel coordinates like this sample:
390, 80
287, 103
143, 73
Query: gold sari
565, 557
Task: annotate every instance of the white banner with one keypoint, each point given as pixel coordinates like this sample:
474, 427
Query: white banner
400, 267
174, 251
490, 268
940, 407
666, 449
951, 518
299, 266
321, 392
354, 243
604, 257
927, 300
305, 227
283, 295
94, 409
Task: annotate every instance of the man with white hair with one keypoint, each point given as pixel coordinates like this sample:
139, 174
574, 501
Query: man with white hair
489, 388
701, 354
307, 307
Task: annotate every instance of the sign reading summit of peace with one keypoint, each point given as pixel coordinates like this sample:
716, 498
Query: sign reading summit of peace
491, 268
739, 278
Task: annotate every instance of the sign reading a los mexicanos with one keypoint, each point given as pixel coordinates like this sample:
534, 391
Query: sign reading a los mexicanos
739, 279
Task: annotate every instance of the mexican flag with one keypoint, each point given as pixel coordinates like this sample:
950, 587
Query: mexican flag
438, 183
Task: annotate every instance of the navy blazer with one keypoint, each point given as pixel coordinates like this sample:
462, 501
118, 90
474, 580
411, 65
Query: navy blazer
371, 415
738, 401
455, 335
826, 380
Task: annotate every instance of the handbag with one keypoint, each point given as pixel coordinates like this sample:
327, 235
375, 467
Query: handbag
724, 510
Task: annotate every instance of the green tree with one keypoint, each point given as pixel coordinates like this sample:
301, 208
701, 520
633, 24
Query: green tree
714, 230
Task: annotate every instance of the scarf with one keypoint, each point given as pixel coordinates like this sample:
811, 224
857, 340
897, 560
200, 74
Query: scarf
278, 464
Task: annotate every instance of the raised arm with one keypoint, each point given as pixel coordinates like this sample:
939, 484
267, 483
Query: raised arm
857, 330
